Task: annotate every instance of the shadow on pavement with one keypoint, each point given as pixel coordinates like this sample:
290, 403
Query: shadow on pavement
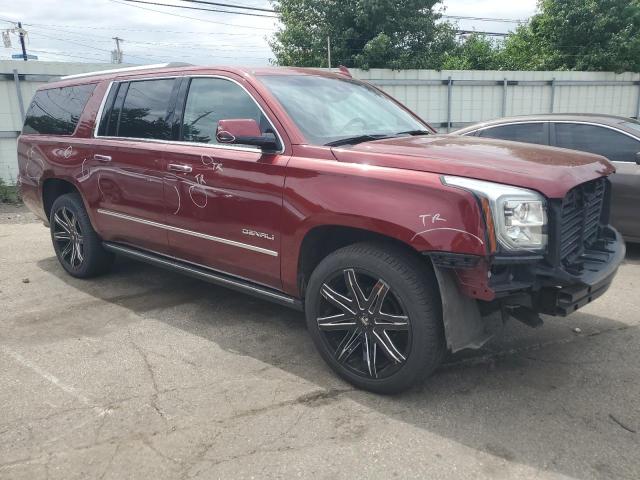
541, 397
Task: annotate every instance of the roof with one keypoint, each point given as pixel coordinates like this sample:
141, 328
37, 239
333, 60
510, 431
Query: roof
599, 118
173, 68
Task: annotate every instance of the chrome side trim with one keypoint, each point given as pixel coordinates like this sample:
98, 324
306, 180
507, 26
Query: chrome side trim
98, 118
206, 274
225, 241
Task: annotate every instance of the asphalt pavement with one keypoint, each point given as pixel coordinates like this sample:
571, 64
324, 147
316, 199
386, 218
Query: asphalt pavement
146, 374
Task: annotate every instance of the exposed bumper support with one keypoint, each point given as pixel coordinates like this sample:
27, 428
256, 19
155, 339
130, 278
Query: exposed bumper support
599, 267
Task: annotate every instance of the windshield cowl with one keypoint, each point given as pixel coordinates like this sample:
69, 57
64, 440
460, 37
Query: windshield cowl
369, 137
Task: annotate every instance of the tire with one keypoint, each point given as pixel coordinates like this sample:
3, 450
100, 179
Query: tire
77, 245
403, 334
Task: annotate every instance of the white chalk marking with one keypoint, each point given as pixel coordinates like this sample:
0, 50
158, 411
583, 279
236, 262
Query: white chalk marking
54, 380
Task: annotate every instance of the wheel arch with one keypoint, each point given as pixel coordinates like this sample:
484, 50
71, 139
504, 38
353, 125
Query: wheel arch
321, 240
53, 187
462, 322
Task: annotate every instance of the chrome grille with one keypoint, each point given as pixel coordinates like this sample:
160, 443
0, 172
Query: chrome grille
580, 218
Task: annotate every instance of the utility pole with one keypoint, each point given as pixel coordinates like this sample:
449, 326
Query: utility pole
116, 55
24, 48
329, 51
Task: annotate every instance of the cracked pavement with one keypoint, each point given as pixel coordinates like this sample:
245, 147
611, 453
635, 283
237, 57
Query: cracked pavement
147, 374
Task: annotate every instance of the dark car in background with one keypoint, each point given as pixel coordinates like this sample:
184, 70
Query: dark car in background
617, 138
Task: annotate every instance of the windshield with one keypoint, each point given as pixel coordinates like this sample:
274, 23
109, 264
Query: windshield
327, 110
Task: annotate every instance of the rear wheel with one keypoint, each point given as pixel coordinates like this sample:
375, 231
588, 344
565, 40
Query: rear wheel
77, 245
374, 314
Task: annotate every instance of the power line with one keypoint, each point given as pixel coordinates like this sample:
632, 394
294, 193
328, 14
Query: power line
229, 5
484, 19
144, 30
200, 8
271, 10
144, 58
192, 18
479, 32
108, 39
210, 48
65, 54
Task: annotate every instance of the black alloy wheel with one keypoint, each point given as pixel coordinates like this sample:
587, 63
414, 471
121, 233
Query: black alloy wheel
364, 324
374, 313
77, 245
67, 234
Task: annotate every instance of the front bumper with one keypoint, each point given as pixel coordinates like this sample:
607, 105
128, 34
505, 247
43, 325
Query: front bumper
574, 290
563, 289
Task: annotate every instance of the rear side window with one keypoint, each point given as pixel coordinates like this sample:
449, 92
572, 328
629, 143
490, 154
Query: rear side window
145, 112
616, 146
56, 111
522, 132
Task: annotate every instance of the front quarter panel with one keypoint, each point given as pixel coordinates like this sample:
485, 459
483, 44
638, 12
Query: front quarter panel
412, 207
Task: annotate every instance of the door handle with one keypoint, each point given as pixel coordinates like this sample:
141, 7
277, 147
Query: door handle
175, 167
102, 158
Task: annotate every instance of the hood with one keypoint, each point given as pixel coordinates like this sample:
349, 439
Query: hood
551, 171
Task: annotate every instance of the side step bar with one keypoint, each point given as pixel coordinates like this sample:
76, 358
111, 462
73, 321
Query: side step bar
206, 274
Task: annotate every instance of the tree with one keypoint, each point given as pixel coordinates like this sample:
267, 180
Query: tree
578, 35
364, 33
476, 52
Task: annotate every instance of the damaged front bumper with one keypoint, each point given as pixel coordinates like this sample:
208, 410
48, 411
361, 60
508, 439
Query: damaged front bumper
563, 289
473, 288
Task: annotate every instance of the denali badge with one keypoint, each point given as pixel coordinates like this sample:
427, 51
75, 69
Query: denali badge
253, 233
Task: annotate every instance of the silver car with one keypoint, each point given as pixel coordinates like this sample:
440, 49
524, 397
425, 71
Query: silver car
617, 138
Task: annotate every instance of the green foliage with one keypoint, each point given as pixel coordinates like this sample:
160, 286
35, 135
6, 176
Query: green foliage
9, 193
364, 33
592, 35
578, 35
476, 52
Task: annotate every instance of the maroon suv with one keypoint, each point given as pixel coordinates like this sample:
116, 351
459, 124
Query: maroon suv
324, 194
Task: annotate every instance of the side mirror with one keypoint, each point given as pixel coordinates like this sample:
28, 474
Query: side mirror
638, 158
244, 131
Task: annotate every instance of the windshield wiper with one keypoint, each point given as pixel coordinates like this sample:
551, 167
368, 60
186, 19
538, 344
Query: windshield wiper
356, 139
415, 132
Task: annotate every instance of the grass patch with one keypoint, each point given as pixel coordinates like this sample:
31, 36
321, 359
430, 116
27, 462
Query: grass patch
9, 193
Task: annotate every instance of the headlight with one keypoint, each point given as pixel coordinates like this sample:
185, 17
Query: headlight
518, 215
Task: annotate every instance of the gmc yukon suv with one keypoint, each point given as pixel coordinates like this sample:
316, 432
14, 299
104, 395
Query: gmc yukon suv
322, 193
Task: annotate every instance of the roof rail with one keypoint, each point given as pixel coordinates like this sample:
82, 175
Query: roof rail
126, 69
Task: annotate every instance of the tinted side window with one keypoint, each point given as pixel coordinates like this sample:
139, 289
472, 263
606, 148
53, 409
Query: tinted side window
145, 110
213, 99
56, 111
524, 132
616, 146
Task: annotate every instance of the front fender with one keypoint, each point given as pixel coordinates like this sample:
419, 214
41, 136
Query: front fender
412, 207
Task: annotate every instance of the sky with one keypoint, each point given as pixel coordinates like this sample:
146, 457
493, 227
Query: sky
83, 30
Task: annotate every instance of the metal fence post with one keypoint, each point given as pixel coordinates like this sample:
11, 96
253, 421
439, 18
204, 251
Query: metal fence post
449, 95
504, 97
16, 80
638, 104
553, 93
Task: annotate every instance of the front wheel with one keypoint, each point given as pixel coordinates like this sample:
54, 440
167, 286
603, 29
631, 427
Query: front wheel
374, 314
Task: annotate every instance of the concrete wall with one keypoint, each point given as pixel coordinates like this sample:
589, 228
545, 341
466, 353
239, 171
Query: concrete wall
446, 99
